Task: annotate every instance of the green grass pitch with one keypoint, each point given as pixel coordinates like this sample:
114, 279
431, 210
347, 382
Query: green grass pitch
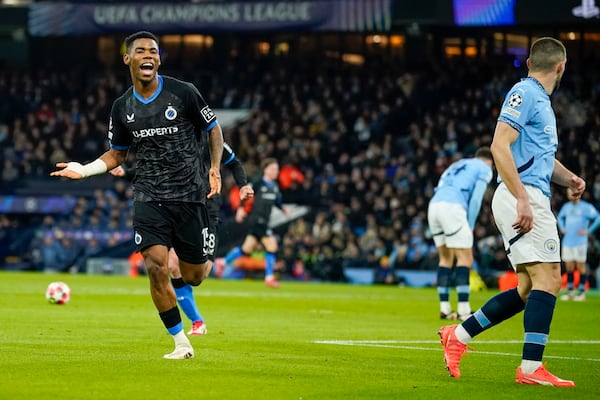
302, 341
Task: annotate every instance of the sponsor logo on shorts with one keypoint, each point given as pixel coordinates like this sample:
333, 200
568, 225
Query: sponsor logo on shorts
551, 246
137, 238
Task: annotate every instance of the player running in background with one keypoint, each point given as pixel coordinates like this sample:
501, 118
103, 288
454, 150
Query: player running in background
266, 195
160, 118
451, 214
183, 291
524, 147
574, 221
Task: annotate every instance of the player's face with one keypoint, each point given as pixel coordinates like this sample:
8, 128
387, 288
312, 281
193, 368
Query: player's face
143, 60
272, 171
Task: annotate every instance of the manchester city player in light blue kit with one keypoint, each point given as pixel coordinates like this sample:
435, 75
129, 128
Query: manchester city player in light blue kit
452, 213
576, 220
524, 147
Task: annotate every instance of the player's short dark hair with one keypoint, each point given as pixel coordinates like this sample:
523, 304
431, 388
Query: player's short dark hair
266, 162
139, 35
484, 152
545, 53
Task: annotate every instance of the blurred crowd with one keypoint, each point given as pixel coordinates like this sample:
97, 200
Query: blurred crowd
366, 145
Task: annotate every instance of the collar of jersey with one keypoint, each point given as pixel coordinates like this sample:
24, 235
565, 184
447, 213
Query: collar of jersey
531, 78
269, 184
154, 96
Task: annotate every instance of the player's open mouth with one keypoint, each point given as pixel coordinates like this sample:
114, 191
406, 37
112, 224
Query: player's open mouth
147, 69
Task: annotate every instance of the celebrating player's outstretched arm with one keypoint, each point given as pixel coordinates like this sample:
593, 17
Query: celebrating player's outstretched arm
106, 162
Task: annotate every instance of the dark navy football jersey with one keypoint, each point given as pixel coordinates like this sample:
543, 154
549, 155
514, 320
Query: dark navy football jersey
163, 132
266, 195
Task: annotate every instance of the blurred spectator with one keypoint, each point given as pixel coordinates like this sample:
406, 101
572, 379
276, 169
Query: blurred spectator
50, 255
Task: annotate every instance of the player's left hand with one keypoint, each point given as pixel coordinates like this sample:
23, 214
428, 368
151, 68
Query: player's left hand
214, 178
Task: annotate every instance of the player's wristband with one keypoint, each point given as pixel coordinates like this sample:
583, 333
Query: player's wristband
96, 167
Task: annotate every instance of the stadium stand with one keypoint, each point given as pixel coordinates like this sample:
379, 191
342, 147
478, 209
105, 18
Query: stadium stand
369, 139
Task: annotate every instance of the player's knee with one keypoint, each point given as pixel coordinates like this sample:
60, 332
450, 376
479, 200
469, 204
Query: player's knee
196, 276
194, 280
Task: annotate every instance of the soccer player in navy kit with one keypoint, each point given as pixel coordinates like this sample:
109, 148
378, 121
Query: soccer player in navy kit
524, 148
451, 215
266, 195
160, 118
577, 219
183, 291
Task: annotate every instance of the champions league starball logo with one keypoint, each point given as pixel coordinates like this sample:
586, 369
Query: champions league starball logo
515, 100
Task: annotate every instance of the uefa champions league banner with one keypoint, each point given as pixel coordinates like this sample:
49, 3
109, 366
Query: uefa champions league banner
52, 19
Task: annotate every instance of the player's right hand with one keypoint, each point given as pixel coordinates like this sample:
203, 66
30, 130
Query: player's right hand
524, 221
71, 170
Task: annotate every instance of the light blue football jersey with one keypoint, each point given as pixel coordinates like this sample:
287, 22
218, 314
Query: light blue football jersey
527, 109
457, 183
574, 217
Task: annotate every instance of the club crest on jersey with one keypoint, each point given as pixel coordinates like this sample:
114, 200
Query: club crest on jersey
515, 100
137, 238
551, 246
170, 113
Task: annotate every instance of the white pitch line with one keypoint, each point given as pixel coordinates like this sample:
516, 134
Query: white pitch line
437, 341
396, 344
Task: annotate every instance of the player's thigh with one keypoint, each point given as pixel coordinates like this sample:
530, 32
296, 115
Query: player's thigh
191, 238
152, 225
174, 264
249, 244
444, 252
545, 276
155, 261
270, 243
